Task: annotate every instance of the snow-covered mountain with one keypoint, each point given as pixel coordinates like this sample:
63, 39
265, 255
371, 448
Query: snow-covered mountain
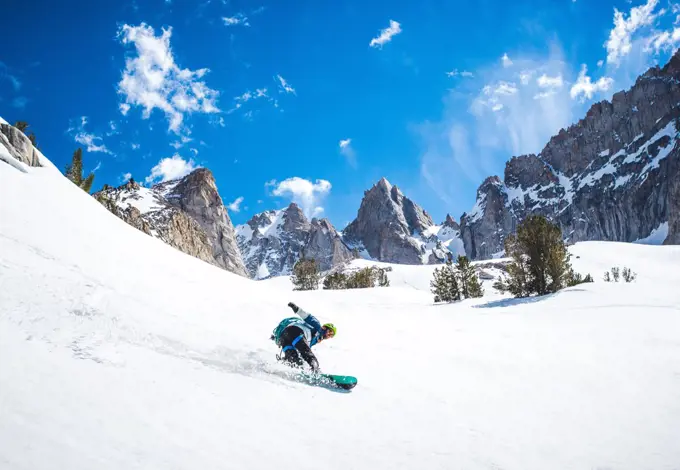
614, 175
118, 351
187, 214
392, 228
273, 241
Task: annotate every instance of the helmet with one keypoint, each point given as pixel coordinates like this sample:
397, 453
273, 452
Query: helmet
331, 327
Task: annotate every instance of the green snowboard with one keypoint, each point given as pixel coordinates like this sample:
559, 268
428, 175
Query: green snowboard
344, 382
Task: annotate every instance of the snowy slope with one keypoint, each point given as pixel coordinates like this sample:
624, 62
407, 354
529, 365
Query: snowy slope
121, 352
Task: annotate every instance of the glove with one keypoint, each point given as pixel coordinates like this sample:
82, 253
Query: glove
293, 306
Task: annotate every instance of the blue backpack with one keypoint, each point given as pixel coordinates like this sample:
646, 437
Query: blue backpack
276, 334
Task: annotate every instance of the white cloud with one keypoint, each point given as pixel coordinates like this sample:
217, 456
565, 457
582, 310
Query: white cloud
525, 76
237, 19
125, 177
99, 165
348, 152
506, 60
386, 35
113, 129
619, 43
462, 73
91, 141
170, 168
135, 146
153, 80
183, 140
544, 94
665, 40
236, 205
586, 88
600, 63
544, 81
306, 194
284, 86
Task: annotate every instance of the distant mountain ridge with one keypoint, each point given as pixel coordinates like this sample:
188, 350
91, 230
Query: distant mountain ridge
273, 241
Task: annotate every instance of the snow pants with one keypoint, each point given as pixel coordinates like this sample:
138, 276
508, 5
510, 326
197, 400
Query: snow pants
295, 348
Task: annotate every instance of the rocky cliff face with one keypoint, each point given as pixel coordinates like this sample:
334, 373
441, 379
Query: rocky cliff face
15, 145
187, 214
392, 228
273, 241
609, 177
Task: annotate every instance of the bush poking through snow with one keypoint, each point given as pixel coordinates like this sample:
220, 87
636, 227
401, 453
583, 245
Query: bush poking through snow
305, 275
540, 260
615, 273
372, 276
575, 279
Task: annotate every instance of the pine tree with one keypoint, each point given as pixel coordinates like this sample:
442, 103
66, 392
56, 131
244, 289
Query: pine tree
74, 172
468, 280
444, 283
21, 125
305, 275
540, 261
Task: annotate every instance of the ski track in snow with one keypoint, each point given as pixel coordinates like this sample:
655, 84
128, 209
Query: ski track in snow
121, 352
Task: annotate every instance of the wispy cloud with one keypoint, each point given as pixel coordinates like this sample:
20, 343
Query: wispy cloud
237, 19
284, 86
183, 140
456, 73
505, 60
20, 102
348, 152
544, 81
235, 206
91, 141
386, 35
6, 74
153, 80
170, 168
306, 194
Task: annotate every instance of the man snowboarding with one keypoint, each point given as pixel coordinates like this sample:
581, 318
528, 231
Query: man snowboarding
296, 336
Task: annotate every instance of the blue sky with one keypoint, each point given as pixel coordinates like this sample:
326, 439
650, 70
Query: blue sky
314, 101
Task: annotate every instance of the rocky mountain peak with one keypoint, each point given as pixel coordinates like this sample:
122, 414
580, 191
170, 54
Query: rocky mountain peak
187, 213
451, 222
294, 219
390, 226
273, 241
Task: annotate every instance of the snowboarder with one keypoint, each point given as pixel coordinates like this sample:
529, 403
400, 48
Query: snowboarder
296, 336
